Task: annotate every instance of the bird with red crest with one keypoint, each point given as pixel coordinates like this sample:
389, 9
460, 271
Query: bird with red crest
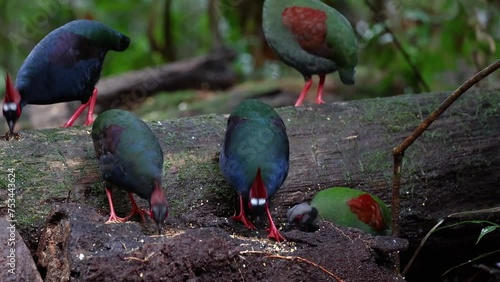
64, 66
254, 159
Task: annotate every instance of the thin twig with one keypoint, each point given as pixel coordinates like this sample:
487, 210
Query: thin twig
294, 258
399, 151
398, 45
146, 259
489, 210
446, 103
124, 246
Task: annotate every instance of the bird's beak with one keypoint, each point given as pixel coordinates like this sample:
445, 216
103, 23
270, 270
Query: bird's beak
158, 225
11, 126
289, 226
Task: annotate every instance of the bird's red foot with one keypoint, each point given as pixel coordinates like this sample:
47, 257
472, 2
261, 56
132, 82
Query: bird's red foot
88, 122
241, 217
272, 230
146, 213
319, 95
90, 114
9, 136
113, 218
320, 101
303, 93
135, 209
75, 115
275, 234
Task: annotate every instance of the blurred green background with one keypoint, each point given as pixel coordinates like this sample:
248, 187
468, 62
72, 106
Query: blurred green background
446, 40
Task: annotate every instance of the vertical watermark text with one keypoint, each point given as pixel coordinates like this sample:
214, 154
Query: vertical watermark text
11, 214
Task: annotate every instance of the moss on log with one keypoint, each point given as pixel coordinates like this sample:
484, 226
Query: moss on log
454, 166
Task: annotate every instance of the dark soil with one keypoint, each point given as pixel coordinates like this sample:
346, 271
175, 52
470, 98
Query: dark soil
454, 167
76, 245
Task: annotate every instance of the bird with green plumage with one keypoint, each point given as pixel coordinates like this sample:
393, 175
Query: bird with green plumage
313, 38
131, 159
343, 206
254, 159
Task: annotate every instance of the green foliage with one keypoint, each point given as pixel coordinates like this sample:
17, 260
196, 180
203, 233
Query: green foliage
446, 40
490, 227
485, 230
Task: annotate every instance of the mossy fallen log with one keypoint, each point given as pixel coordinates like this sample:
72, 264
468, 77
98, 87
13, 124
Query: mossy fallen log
340, 144
453, 167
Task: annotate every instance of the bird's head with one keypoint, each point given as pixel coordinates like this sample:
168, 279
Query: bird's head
257, 201
303, 216
11, 104
124, 43
347, 75
158, 206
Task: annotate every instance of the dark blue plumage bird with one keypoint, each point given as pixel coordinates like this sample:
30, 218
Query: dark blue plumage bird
254, 159
64, 66
131, 159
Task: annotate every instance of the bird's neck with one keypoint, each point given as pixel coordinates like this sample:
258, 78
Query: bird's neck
258, 193
11, 92
158, 197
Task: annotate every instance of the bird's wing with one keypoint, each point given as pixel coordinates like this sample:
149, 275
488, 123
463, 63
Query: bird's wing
114, 168
232, 123
368, 211
70, 48
309, 28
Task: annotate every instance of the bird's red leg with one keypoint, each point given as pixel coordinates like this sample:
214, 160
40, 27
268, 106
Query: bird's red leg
304, 92
90, 114
113, 217
319, 96
135, 209
242, 217
272, 230
76, 114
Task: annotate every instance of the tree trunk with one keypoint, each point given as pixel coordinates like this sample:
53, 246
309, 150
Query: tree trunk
341, 144
454, 166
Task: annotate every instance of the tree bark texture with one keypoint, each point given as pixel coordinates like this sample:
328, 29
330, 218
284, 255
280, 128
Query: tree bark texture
453, 167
